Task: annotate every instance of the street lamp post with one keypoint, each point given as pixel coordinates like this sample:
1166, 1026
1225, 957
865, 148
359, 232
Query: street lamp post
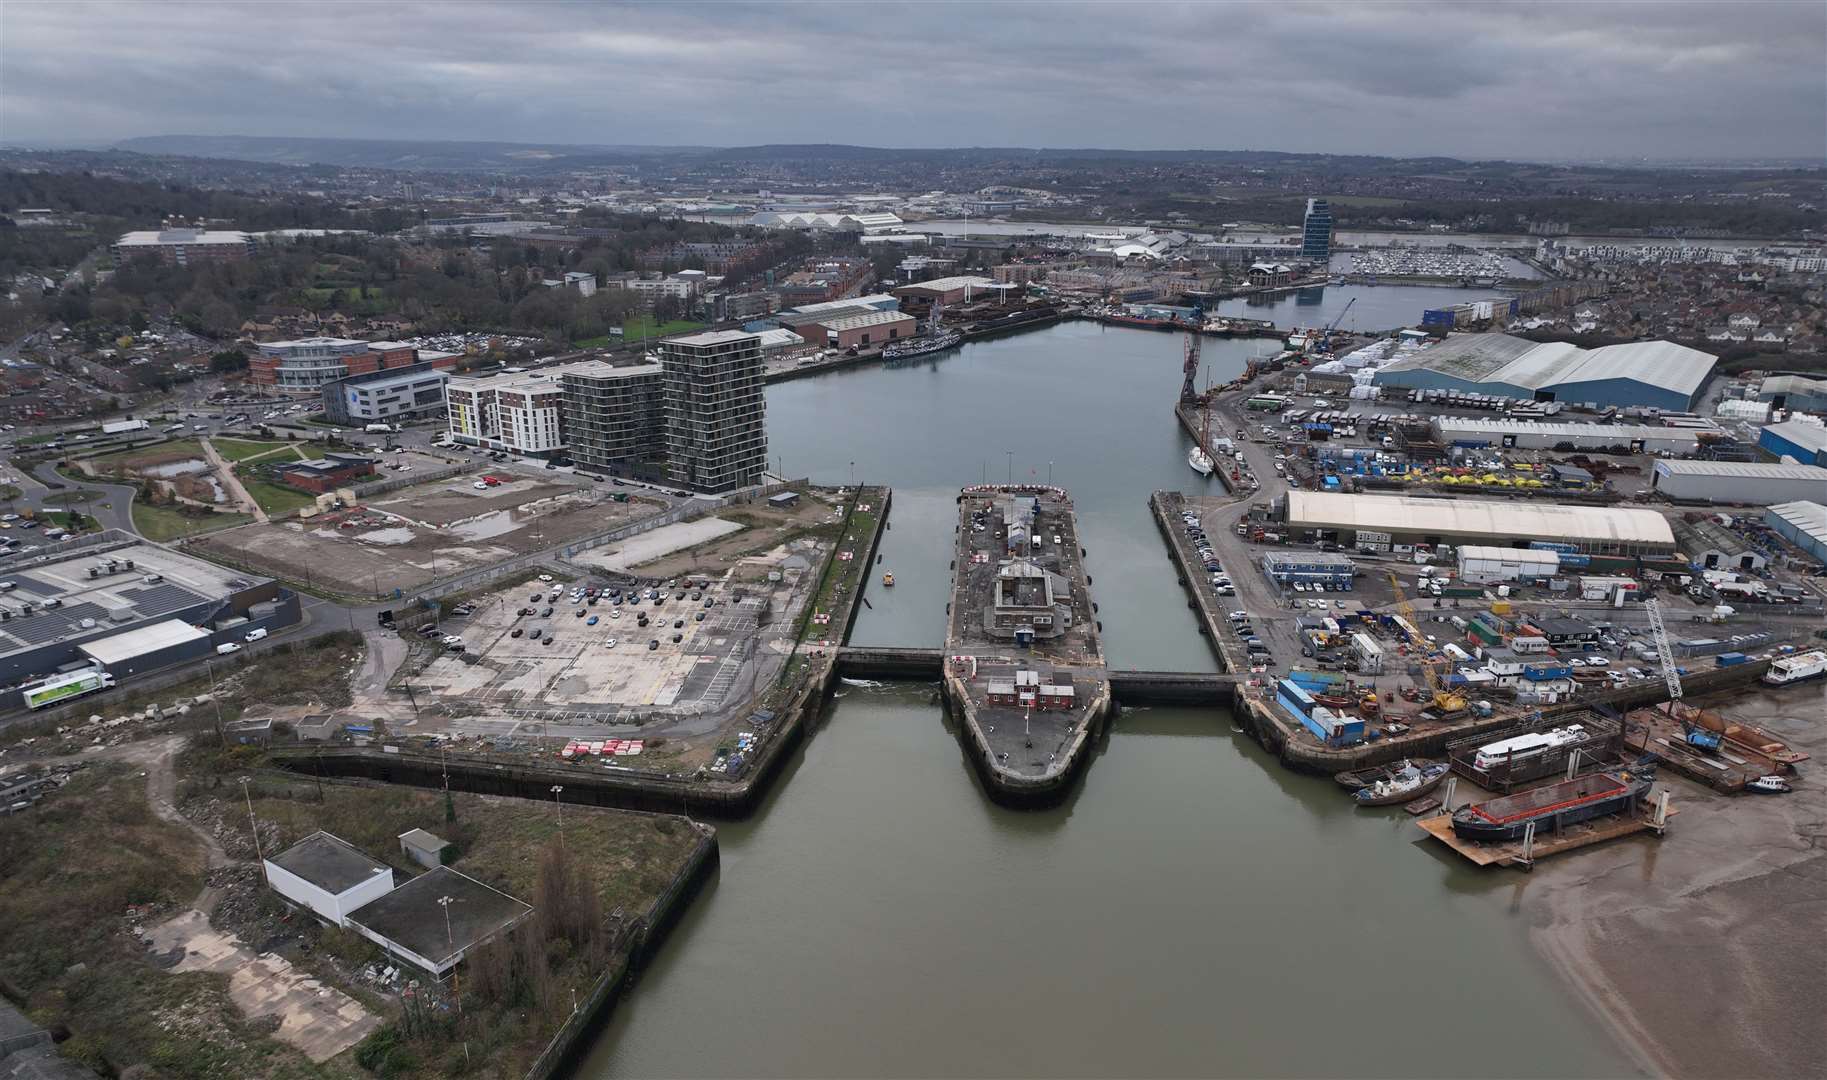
253, 826
451, 942
557, 790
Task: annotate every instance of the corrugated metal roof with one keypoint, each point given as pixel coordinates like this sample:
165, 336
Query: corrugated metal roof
857, 322
1504, 554
1810, 518
1514, 361
1451, 426
1810, 436
1763, 470
1473, 517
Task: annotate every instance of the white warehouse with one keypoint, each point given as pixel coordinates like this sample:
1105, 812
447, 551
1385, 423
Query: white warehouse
1484, 565
1537, 435
1746, 483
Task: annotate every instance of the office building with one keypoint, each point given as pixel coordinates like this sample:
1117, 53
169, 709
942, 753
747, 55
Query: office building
304, 365
1316, 231
388, 395
613, 416
716, 432
185, 247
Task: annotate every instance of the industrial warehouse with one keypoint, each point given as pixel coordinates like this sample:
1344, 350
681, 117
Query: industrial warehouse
1479, 431
1746, 483
1660, 374
128, 607
1406, 520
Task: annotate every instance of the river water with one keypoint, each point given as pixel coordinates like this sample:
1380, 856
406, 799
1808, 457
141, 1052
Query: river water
1192, 909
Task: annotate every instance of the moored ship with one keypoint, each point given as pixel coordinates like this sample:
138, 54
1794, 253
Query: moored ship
1569, 802
1798, 668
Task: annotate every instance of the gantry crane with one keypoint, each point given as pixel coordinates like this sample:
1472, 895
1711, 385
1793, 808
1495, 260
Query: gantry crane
1190, 368
1665, 655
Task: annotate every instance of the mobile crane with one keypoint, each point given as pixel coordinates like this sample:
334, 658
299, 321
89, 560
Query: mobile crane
1444, 701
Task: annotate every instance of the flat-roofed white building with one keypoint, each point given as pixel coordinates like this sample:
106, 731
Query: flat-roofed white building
328, 876
1745, 483
1406, 519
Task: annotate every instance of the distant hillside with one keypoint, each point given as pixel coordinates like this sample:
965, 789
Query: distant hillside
387, 153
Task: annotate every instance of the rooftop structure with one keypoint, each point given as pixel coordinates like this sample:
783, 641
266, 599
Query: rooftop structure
716, 417
1316, 231
1748, 483
1655, 373
613, 414
1798, 439
434, 920
1549, 435
185, 246
1803, 524
1407, 519
329, 876
75, 597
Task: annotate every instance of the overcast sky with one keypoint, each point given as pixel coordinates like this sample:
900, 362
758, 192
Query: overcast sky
1524, 80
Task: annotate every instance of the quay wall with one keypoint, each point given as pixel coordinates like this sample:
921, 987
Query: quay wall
628, 789
646, 934
1298, 751
1216, 628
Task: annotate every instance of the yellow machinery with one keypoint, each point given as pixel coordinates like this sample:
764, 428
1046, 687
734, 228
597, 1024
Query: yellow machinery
1444, 700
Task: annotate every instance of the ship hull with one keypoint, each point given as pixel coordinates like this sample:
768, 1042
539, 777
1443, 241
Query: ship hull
1470, 824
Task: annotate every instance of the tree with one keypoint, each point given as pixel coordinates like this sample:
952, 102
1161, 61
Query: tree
228, 360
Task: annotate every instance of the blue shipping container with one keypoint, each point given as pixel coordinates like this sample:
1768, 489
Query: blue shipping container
1730, 658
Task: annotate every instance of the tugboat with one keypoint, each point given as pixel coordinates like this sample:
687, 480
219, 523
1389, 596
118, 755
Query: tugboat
1404, 786
888, 578
1770, 785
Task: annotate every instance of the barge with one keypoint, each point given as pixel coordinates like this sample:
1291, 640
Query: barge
1552, 807
1024, 669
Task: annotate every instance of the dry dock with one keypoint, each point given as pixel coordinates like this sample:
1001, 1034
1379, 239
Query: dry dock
1570, 838
1024, 668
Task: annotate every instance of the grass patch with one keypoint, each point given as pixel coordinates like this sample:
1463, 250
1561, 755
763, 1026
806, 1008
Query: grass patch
276, 498
644, 327
142, 457
9, 492
242, 449
67, 950
601, 341
516, 993
168, 523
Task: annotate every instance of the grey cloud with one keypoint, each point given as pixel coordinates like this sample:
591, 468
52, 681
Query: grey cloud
1486, 80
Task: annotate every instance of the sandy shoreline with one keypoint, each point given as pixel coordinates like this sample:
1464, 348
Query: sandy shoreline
1705, 952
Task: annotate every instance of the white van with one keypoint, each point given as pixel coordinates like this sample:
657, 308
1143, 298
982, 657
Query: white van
226, 648
256, 635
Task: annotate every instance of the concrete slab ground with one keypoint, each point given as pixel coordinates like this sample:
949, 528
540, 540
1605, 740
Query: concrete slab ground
319, 1020
404, 539
664, 540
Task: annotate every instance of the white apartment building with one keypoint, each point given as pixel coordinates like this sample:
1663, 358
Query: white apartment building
520, 412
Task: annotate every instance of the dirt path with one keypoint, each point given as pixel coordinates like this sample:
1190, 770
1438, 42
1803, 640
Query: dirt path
232, 483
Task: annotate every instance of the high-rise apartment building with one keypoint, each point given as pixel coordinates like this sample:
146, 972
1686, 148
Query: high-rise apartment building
613, 415
517, 412
716, 415
1316, 231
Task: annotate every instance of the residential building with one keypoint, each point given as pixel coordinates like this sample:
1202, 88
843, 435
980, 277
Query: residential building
404, 393
716, 433
584, 283
613, 415
186, 247
1316, 231
675, 287
519, 412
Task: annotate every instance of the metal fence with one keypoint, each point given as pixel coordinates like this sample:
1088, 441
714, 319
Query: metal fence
381, 487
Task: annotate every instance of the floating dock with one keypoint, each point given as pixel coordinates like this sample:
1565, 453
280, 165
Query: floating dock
1024, 663
1568, 838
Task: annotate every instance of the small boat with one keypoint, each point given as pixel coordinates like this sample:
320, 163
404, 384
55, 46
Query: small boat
1200, 461
1405, 786
888, 578
1354, 779
1770, 785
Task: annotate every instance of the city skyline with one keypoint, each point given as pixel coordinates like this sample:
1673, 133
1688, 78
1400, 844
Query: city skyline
1604, 82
